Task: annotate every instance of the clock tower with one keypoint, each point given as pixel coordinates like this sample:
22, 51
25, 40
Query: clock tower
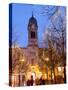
33, 40
32, 32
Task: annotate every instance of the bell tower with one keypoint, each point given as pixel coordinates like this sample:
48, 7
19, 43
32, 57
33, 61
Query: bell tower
32, 31
32, 40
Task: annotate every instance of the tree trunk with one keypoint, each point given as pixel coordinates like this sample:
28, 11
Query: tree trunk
47, 77
54, 76
19, 80
51, 77
64, 74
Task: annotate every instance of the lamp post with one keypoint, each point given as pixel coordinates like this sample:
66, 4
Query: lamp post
47, 60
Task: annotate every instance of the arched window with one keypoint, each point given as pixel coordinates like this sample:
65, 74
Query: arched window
33, 34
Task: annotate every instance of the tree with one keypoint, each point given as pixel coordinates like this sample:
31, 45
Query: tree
58, 29
13, 38
18, 62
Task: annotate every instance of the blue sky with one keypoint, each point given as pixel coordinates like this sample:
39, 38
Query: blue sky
21, 14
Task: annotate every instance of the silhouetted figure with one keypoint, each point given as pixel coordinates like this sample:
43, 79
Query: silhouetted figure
42, 81
31, 81
28, 82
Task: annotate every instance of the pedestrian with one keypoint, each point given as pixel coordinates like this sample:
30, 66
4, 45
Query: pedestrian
42, 81
31, 81
28, 82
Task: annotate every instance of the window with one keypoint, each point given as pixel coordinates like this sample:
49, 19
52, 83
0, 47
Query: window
32, 34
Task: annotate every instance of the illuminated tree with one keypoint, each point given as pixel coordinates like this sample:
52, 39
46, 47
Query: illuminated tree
55, 36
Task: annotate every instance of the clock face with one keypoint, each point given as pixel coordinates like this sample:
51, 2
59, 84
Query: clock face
33, 26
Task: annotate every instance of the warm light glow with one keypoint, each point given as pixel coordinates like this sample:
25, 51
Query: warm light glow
22, 60
34, 71
13, 80
33, 74
45, 76
39, 74
59, 69
52, 75
47, 59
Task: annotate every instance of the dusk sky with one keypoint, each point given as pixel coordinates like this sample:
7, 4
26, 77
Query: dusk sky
21, 13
